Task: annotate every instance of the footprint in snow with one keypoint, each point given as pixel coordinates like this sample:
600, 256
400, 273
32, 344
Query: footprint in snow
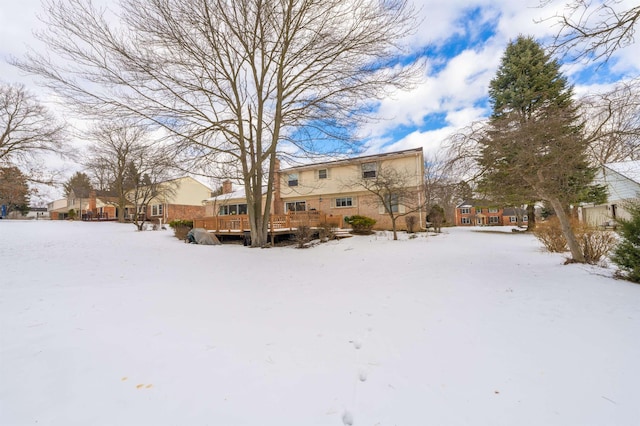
347, 418
362, 375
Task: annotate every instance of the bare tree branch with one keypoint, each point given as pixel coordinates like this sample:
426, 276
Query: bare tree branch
594, 29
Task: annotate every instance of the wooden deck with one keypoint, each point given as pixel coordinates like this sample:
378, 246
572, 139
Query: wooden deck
278, 223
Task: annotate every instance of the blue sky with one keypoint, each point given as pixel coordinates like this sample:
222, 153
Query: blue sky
462, 42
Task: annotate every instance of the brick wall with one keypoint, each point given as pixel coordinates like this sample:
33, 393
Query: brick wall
177, 211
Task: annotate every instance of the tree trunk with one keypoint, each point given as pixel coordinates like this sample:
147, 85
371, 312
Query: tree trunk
531, 217
393, 226
565, 226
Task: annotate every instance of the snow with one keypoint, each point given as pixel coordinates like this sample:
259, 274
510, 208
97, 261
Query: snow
102, 325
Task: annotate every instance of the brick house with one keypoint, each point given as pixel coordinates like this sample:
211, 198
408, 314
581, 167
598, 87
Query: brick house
487, 213
183, 201
334, 189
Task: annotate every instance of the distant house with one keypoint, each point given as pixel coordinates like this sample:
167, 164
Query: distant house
487, 213
332, 189
622, 182
179, 198
182, 201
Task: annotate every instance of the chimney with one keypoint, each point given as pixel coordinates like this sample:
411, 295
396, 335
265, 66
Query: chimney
92, 201
227, 187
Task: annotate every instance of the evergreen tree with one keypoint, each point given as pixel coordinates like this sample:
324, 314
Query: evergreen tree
79, 185
627, 253
534, 149
14, 190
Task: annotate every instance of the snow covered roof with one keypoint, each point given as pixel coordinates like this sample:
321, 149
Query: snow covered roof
237, 194
628, 169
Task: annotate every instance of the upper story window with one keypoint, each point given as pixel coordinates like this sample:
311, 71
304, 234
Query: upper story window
369, 170
493, 210
465, 210
478, 210
323, 174
293, 179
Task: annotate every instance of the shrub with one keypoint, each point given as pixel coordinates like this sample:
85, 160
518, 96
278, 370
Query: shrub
181, 228
360, 224
72, 214
627, 253
411, 222
550, 235
302, 236
325, 232
595, 244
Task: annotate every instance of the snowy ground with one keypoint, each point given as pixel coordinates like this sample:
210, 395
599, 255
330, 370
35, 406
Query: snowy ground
101, 325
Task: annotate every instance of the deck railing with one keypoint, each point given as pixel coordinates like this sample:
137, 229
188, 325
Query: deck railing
288, 221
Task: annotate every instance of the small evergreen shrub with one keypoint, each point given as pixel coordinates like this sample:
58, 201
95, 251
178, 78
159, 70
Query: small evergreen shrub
627, 254
360, 224
181, 228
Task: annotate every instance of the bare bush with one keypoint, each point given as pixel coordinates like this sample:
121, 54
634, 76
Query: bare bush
411, 222
326, 232
550, 235
596, 244
302, 236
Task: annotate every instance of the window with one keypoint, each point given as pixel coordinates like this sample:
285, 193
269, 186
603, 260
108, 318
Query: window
296, 206
232, 209
293, 179
142, 209
323, 174
369, 170
391, 203
156, 210
525, 218
344, 202
465, 210
465, 221
478, 210
494, 219
493, 210
513, 219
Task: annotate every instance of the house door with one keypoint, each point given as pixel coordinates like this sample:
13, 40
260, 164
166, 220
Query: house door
479, 221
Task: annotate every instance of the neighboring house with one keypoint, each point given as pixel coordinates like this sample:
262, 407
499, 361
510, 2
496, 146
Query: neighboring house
180, 198
487, 213
230, 202
333, 188
59, 209
622, 182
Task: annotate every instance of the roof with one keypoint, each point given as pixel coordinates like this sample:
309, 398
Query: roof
478, 203
404, 153
628, 169
237, 194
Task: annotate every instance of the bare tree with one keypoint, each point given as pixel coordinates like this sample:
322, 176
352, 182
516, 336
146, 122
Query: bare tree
27, 129
612, 123
396, 191
595, 29
118, 160
234, 82
146, 180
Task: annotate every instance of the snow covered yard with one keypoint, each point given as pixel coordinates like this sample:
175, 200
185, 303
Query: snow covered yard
101, 325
